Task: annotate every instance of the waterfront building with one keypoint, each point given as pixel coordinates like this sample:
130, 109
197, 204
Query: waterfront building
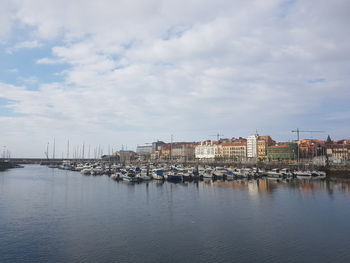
240, 139
282, 152
146, 148
263, 142
164, 152
156, 145
110, 158
309, 149
206, 150
252, 146
183, 150
236, 151
224, 140
338, 151
177, 151
155, 155
125, 156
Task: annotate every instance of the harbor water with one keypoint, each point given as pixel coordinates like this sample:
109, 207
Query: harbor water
51, 215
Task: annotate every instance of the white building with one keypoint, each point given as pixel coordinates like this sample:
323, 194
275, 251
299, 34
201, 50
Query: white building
144, 148
252, 146
206, 150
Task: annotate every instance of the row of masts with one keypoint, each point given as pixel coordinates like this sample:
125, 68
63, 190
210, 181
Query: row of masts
79, 151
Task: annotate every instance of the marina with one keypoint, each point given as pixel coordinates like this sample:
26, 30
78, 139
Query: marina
180, 172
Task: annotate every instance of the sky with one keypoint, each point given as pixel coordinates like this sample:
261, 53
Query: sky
118, 73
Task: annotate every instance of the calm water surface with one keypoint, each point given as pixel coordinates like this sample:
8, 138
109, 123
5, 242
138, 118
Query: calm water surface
50, 215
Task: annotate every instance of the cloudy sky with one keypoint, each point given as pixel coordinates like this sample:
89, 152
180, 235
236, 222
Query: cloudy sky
113, 72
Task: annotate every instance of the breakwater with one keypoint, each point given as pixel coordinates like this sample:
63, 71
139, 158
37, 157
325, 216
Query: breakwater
4, 165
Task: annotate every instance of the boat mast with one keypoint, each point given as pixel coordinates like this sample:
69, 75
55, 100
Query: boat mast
171, 149
68, 149
54, 148
47, 151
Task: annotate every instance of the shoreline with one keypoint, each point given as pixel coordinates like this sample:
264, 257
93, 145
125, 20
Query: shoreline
332, 171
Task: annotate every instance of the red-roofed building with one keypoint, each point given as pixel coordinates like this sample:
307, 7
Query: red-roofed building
311, 148
339, 150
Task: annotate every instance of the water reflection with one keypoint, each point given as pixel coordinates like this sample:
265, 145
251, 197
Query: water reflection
67, 217
266, 186
261, 186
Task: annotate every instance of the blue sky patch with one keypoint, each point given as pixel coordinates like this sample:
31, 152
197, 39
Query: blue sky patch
20, 67
8, 112
318, 80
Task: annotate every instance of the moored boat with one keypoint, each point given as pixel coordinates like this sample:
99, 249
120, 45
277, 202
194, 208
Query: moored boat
208, 173
158, 174
117, 176
303, 175
275, 174
174, 176
243, 172
219, 172
230, 175
96, 170
143, 175
186, 176
320, 174
129, 178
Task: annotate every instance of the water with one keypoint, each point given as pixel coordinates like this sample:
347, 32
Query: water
50, 215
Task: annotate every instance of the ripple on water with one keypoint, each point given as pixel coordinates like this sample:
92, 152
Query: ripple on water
49, 215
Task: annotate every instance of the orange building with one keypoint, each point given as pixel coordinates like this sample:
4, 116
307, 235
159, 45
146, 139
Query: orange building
263, 143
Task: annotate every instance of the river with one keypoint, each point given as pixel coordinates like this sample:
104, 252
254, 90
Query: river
51, 215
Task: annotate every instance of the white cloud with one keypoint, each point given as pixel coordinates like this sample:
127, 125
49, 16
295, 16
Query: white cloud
49, 61
6, 18
24, 45
151, 68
